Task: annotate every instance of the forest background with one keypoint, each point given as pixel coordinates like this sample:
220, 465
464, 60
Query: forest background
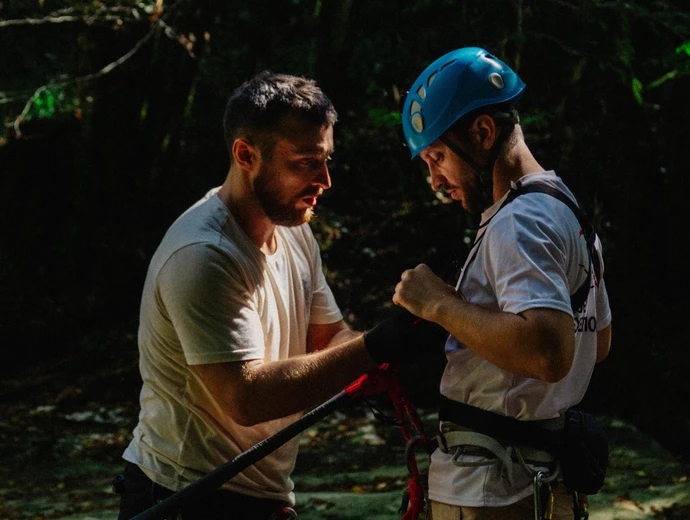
112, 127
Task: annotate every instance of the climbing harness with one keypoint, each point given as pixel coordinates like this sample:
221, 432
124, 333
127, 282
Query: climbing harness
491, 449
496, 440
461, 441
572, 448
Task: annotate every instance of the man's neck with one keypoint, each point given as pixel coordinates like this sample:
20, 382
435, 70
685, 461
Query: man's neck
248, 213
517, 163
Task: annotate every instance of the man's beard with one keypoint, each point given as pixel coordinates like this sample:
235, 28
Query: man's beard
281, 212
474, 202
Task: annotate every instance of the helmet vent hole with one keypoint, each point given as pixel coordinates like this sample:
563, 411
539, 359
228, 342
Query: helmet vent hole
418, 122
421, 92
415, 107
431, 79
448, 64
496, 80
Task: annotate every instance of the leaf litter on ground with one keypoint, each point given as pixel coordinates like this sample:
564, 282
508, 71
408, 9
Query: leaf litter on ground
59, 455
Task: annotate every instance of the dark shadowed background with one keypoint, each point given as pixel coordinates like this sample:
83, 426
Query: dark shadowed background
112, 127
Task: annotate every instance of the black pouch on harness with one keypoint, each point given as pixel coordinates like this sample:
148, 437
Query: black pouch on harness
585, 453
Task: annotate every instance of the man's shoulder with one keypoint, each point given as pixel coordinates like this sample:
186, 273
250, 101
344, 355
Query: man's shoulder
196, 225
539, 199
535, 216
202, 231
546, 183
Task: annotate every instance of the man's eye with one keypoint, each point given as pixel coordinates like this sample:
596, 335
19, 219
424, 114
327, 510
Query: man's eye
315, 162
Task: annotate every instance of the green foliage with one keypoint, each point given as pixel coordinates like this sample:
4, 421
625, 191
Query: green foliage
383, 118
684, 48
45, 103
537, 121
637, 89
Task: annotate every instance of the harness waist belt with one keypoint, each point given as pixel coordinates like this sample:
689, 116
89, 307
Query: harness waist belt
475, 443
543, 435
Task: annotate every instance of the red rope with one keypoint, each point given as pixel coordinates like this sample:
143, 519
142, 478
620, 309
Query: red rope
416, 500
385, 380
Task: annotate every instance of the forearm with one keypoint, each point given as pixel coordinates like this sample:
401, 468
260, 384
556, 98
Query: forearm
280, 388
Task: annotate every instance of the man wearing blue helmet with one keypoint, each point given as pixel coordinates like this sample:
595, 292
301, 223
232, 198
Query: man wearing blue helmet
515, 366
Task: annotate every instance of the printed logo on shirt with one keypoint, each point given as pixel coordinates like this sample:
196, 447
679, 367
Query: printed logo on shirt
306, 290
585, 324
582, 322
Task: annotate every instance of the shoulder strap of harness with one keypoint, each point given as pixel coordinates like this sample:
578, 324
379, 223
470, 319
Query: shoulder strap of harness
577, 299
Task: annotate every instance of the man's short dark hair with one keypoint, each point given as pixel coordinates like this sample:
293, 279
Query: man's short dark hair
259, 106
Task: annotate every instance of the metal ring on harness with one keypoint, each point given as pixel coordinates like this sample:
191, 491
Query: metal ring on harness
410, 447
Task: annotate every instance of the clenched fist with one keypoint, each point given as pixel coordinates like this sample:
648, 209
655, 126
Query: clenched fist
422, 293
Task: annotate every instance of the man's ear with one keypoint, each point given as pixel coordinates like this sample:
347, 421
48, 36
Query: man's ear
244, 154
483, 131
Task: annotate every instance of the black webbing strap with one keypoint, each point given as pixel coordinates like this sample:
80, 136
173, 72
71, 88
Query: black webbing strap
578, 298
500, 427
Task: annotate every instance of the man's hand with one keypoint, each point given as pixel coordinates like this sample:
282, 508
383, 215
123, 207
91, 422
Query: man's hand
421, 292
403, 337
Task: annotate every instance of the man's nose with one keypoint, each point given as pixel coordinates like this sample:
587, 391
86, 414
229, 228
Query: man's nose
323, 177
437, 180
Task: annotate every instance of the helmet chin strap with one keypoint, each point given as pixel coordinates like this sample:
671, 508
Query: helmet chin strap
485, 174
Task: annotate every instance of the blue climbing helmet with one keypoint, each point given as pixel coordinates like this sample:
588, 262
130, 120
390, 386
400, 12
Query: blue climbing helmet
451, 87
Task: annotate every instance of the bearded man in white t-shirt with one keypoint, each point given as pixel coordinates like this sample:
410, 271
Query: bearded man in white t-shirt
239, 332
529, 317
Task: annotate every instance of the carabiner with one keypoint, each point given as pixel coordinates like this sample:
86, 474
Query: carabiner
537, 495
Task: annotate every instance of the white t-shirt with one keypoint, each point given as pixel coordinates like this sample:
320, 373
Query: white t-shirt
212, 296
532, 256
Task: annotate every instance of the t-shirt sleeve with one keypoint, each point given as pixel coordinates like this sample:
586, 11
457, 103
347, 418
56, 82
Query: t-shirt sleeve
526, 261
324, 309
603, 307
210, 306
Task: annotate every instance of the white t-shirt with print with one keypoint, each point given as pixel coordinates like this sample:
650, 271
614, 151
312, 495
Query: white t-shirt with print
212, 296
532, 256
